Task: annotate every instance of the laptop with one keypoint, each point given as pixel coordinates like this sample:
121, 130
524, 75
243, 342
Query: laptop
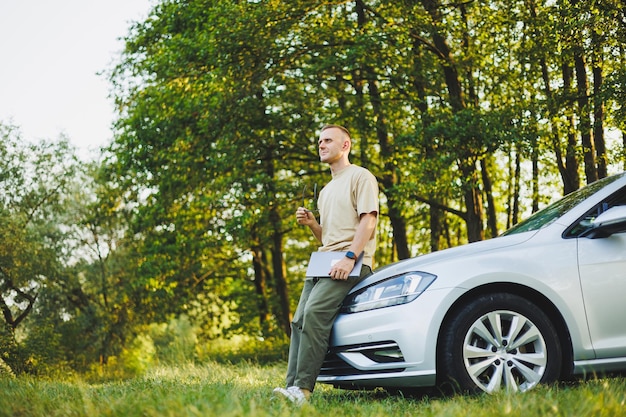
321, 262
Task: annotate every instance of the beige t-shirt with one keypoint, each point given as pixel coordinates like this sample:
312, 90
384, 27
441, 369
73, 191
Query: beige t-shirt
351, 192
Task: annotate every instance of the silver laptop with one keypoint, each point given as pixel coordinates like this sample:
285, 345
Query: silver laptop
321, 262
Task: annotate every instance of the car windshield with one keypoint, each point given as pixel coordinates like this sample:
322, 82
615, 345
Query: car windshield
555, 210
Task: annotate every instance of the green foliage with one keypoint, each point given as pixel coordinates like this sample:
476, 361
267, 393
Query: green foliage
174, 342
5, 370
34, 244
42, 350
138, 357
244, 348
8, 346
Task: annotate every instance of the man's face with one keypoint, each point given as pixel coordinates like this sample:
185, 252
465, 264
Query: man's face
332, 145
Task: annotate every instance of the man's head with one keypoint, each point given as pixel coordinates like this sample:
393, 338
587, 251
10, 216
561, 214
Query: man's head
334, 144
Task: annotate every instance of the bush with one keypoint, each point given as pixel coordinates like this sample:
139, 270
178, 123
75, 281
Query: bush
242, 348
5, 370
176, 341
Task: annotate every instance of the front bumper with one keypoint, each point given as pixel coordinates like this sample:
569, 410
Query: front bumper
388, 347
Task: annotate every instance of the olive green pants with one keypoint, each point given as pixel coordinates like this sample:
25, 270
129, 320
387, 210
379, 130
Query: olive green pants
313, 320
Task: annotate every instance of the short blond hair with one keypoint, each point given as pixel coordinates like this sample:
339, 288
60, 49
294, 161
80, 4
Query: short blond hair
343, 129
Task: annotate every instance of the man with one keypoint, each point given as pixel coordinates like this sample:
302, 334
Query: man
348, 209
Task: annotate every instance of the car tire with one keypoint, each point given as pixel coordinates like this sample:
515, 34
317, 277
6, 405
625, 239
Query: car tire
498, 342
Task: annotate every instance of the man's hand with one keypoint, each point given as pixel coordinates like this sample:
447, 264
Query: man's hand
305, 217
341, 270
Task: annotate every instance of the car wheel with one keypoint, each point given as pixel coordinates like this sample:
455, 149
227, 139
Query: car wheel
498, 342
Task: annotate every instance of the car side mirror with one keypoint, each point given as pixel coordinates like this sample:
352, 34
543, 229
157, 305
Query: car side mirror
611, 221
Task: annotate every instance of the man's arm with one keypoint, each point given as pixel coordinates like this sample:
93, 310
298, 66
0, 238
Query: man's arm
304, 216
367, 223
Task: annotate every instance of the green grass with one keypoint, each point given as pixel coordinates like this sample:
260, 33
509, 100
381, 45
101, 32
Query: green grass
246, 390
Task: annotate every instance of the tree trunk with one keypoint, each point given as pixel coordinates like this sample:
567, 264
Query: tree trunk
358, 84
451, 75
419, 85
473, 203
260, 283
598, 116
568, 168
390, 177
435, 227
516, 188
472, 197
492, 223
280, 271
571, 160
585, 120
278, 262
624, 150
535, 176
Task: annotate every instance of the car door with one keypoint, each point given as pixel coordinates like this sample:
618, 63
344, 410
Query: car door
602, 267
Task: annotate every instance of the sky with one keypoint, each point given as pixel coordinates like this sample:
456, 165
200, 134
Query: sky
51, 52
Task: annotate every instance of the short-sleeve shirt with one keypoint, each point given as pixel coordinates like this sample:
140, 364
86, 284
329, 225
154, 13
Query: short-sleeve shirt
353, 191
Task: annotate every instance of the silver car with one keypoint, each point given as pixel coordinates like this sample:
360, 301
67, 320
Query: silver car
544, 301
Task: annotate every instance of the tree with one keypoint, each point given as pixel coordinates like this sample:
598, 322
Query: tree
33, 246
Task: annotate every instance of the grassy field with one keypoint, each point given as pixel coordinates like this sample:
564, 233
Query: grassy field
246, 390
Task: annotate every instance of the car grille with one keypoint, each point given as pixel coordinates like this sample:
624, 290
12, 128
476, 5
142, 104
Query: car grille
380, 352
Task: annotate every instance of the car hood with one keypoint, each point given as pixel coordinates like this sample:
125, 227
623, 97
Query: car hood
421, 263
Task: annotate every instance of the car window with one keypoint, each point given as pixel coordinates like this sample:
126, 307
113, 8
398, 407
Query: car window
585, 222
549, 214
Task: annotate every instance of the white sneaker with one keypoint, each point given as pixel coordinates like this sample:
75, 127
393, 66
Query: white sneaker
293, 394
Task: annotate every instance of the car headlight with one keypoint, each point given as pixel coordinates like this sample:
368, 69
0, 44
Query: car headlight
400, 289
